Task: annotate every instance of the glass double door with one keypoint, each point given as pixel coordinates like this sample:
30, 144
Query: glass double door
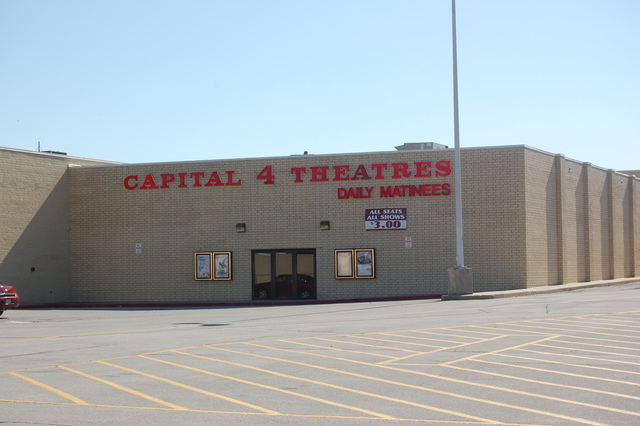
284, 274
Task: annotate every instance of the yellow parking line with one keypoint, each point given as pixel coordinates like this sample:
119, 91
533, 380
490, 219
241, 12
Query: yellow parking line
521, 392
614, 314
569, 364
618, 320
495, 330
300, 395
445, 334
99, 333
433, 376
596, 339
365, 345
394, 341
441, 350
601, 322
584, 404
620, 395
592, 351
124, 388
194, 410
38, 402
502, 330
582, 357
392, 334
191, 388
359, 392
573, 342
544, 370
58, 392
497, 351
586, 321
571, 331
331, 348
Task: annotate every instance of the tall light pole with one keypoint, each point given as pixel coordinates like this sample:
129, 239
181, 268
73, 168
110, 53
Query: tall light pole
460, 277
456, 136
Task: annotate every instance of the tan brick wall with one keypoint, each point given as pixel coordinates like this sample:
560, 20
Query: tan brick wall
526, 223
173, 223
572, 220
599, 225
541, 212
635, 225
580, 221
530, 219
494, 217
34, 224
622, 226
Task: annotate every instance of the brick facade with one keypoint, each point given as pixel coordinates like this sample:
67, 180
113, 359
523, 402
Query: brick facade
530, 219
34, 224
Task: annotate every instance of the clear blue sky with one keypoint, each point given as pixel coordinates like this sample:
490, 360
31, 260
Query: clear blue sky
154, 81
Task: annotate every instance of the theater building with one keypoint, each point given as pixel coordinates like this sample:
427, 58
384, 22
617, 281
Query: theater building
361, 226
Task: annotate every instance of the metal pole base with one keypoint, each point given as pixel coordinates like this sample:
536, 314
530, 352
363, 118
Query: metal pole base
460, 281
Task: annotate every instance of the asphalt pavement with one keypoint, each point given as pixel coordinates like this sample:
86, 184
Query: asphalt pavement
554, 357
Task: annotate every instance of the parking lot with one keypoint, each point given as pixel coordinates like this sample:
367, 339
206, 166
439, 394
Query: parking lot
547, 359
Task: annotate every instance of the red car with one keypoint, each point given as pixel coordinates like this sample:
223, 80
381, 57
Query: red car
8, 298
284, 287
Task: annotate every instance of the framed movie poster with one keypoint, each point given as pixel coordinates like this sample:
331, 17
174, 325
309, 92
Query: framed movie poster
202, 266
344, 263
222, 265
365, 263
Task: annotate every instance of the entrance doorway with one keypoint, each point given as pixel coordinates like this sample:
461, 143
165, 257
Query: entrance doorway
284, 274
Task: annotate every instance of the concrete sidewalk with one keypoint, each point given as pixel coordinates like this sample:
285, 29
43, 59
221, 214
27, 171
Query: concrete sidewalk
540, 290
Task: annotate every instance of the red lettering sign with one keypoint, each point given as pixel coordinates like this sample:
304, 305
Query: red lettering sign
267, 175
128, 184
343, 172
415, 190
193, 179
214, 180
167, 178
319, 174
443, 168
148, 183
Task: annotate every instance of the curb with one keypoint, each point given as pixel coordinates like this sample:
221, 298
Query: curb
539, 290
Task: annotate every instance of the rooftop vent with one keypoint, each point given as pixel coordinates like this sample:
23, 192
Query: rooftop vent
419, 146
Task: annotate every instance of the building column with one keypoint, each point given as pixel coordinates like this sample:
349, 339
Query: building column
611, 222
589, 240
561, 217
633, 225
